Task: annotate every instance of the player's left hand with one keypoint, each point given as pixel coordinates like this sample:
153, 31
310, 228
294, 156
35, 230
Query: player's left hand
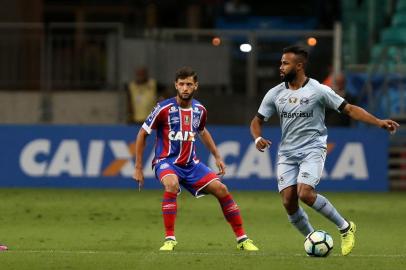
221, 166
389, 125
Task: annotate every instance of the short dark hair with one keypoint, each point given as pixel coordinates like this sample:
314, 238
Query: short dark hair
185, 72
299, 51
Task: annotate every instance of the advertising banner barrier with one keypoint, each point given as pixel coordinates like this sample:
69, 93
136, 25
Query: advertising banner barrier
102, 157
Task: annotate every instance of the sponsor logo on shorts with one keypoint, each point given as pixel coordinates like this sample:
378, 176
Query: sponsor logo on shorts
305, 174
164, 166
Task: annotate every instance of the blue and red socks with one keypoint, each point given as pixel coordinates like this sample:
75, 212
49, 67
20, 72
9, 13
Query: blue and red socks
232, 214
169, 209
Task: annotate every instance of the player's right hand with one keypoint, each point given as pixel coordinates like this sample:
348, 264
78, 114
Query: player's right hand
262, 144
139, 177
221, 166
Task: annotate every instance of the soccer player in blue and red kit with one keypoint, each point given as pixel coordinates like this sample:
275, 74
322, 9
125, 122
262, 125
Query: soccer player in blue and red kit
178, 121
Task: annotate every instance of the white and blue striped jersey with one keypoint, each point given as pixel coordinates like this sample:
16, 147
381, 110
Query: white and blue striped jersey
301, 113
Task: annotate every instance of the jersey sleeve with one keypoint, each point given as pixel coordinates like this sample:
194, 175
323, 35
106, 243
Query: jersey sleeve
203, 120
153, 119
267, 107
331, 99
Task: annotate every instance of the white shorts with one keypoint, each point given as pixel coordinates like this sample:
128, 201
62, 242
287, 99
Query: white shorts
301, 167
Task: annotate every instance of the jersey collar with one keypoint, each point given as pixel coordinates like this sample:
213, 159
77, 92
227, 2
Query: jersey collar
303, 85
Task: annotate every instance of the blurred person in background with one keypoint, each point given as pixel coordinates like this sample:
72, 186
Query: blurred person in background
236, 8
178, 122
142, 93
300, 103
333, 117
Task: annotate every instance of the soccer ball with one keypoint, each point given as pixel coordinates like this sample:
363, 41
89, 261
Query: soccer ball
318, 244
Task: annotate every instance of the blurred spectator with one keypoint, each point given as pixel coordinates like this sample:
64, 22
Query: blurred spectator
193, 15
151, 15
329, 13
333, 117
142, 95
212, 9
236, 8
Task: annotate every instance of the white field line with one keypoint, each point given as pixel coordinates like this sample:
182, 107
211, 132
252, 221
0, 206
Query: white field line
188, 253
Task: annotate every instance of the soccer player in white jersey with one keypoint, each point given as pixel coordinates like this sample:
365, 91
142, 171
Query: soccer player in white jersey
300, 103
178, 122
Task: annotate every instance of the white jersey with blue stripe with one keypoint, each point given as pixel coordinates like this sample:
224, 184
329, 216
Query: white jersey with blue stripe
301, 113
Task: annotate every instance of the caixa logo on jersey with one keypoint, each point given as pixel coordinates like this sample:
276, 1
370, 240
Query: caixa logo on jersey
74, 158
182, 136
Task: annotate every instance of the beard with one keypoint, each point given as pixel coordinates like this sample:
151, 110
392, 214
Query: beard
185, 97
289, 77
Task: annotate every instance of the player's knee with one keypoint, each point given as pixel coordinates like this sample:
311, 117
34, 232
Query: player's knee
222, 189
218, 189
290, 203
306, 196
171, 186
171, 183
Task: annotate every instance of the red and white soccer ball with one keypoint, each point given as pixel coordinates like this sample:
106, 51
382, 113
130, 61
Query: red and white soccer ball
318, 244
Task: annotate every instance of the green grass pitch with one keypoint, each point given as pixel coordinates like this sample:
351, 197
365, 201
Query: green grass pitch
122, 229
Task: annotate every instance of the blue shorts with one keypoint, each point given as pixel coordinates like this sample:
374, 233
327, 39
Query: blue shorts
193, 177
302, 167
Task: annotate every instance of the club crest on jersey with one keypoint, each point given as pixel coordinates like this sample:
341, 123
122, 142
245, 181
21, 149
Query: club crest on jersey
188, 136
304, 101
292, 99
186, 119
